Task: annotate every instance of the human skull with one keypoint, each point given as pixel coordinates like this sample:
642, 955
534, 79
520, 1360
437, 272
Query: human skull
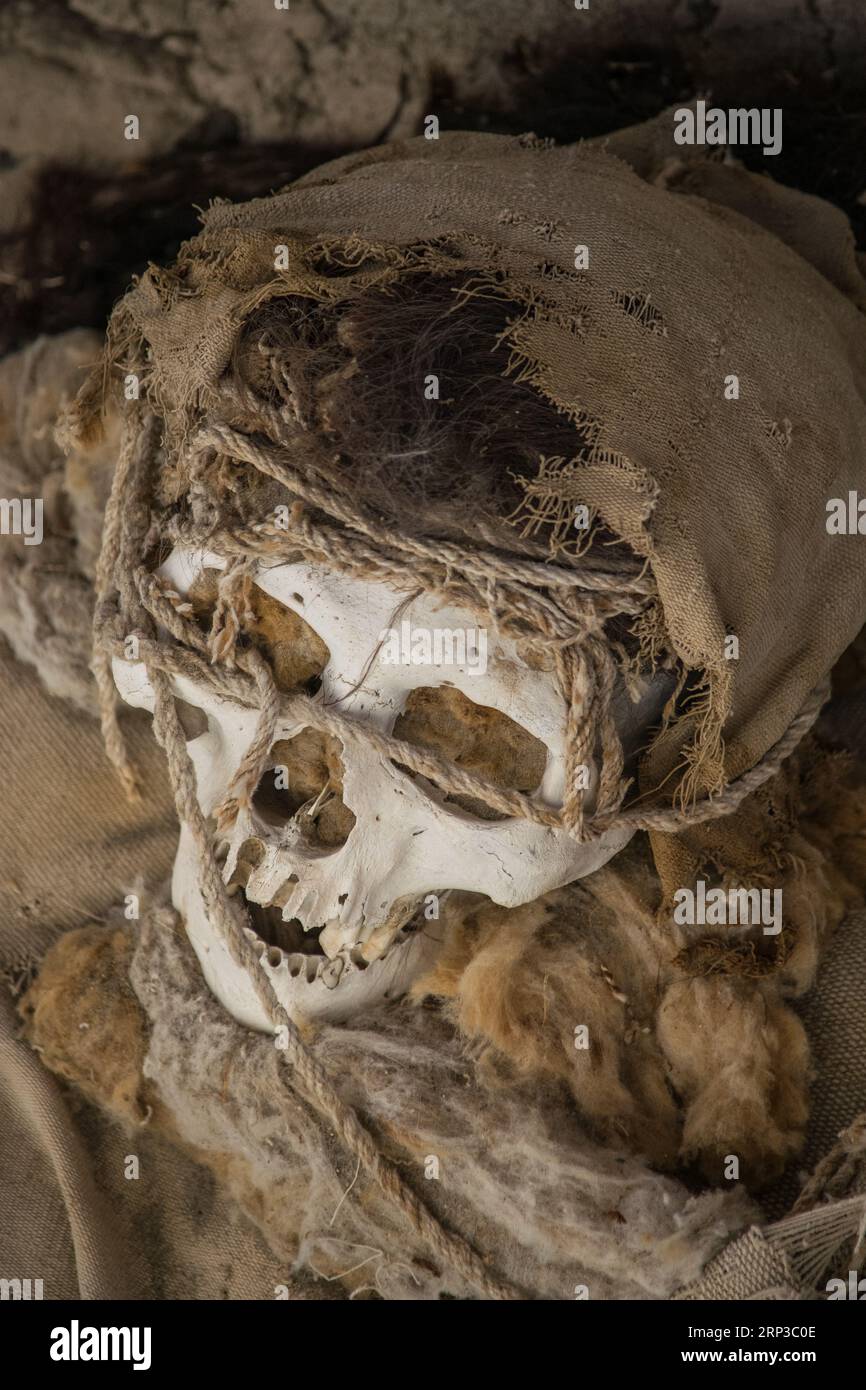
342, 881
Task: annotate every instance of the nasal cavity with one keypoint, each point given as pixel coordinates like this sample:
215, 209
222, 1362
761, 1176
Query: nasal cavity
304, 781
479, 738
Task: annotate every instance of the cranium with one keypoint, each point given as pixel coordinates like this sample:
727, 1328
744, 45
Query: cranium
343, 855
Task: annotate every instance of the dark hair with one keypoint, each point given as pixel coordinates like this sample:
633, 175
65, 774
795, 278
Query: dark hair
357, 375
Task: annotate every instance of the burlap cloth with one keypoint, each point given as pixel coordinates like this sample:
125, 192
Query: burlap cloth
70, 850
680, 291
693, 270
640, 387
67, 1213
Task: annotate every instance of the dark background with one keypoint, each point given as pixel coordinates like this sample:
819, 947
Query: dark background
236, 99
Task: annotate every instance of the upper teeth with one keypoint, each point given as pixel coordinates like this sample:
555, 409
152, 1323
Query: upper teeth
336, 937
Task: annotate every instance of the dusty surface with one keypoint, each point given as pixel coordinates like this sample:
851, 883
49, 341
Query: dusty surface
236, 99
353, 73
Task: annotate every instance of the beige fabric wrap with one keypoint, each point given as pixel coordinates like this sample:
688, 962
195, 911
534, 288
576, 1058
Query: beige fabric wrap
725, 498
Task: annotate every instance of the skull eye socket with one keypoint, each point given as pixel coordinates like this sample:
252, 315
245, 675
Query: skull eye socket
477, 737
305, 780
297, 654
192, 720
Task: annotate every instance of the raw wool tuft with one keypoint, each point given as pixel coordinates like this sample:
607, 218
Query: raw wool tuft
739, 1059
564, 990
85, 1021
46, 591
693, 1051
549, 1209
238, 397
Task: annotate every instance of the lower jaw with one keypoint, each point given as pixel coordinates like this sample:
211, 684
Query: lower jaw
308, 985
301, 951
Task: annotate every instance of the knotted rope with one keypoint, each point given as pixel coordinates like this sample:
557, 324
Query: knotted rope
544, 605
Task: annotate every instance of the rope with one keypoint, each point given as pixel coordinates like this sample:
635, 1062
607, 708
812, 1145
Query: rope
543, 605
301, 710
584, 664
303, 1068
139, 599
835, 1167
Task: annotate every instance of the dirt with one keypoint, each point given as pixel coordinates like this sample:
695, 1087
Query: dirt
234, 104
